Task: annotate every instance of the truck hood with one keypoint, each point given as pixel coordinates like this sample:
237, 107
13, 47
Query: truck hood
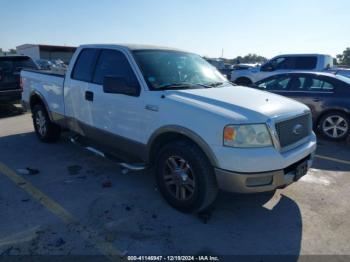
242, 104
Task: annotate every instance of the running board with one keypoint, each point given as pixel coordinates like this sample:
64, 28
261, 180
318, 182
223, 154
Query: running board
129, 166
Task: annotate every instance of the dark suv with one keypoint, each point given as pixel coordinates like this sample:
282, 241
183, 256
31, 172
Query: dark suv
327, 95
10, 67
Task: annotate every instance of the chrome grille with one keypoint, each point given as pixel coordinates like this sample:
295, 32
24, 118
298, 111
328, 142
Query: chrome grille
293, 130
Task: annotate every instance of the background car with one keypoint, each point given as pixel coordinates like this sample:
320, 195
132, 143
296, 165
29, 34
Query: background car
44, 64
10, 67
327, 95
283, 64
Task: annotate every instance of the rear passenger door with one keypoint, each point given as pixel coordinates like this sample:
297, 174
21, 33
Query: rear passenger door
77, 94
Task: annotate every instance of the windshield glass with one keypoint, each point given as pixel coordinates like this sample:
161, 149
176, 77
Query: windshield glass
164, 68
344, 79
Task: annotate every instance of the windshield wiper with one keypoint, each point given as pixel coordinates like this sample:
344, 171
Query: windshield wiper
181, 86
215, 84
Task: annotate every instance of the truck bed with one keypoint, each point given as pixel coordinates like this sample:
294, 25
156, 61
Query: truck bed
46, 84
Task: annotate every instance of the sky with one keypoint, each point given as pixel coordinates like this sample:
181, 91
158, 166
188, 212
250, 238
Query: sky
239, 27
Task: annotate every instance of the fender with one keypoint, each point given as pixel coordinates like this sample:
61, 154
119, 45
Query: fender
203, 145
37, 93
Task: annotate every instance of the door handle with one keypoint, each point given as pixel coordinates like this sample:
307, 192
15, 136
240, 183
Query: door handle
89, 96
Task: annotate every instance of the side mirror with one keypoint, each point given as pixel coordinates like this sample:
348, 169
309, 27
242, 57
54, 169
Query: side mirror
118, 85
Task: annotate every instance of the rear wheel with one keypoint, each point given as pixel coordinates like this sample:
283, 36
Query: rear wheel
185, 177
335, 126
46, 131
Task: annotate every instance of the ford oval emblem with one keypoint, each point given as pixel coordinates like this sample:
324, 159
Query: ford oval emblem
297, 129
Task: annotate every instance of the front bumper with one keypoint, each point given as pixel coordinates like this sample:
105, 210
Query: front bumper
259, 182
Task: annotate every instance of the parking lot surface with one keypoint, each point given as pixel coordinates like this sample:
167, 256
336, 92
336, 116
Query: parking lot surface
82, 204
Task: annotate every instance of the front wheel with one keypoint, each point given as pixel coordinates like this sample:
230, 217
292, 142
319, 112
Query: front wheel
185, 177
46, 131
335, 126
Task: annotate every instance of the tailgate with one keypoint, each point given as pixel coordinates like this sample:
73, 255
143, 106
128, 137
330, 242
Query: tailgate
9, 81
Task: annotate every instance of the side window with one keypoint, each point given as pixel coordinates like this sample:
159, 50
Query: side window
317, 84
114, 63
280, 83
84, 66
298, 83
277, 63
305, 62
287, 63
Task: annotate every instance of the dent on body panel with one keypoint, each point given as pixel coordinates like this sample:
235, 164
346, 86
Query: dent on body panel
55, 96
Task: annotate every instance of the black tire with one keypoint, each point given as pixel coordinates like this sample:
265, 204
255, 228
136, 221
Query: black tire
205, 187
48, 132
342, 129
243, 81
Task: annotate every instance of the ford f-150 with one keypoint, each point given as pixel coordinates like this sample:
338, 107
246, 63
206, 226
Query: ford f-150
172, 111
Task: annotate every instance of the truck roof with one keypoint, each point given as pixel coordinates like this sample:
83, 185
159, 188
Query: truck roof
302, 55
132, 47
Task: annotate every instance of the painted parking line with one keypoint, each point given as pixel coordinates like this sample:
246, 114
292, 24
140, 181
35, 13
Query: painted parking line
333, 159
106, 249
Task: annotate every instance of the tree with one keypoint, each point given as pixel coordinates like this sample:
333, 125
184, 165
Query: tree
247, 59
344, 58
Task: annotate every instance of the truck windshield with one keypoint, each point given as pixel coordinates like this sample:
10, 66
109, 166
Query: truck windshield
166, 69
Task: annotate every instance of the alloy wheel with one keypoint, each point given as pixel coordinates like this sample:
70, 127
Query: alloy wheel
179, 178
335, 126
40, 121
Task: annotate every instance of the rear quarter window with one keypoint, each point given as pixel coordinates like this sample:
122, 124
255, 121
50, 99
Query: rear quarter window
305, 62
84, 66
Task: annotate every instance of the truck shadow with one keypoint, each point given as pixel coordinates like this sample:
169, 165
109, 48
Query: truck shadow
9, 110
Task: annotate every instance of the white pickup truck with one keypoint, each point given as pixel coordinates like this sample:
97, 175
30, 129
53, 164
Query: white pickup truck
282, 64
171, 110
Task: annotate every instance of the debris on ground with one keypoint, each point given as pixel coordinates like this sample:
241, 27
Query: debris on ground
204, 216
107, 183
154, 216
68, 181
74, 169
127, 208
25, 199
28, 171
60, 242
32, 171
109, 237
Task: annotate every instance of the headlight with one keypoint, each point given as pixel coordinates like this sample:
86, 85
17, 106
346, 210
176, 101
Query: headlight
255, 135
